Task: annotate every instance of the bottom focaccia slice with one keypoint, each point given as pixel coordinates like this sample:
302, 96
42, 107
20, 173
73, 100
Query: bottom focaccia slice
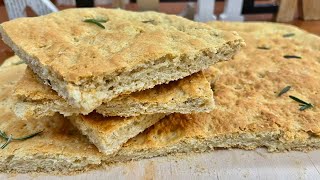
110, 133
191, 94
60, 148
249, 115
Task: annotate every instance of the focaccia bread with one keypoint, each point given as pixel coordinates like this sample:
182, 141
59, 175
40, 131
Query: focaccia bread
187, 95
60, 147
89, 65
250, 113
110, 133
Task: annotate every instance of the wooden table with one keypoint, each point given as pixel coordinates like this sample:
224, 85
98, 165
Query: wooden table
219, 164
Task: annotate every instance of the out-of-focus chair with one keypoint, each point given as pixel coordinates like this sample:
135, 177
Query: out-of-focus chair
17, 8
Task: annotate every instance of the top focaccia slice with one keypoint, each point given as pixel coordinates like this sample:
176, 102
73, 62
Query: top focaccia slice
89, 65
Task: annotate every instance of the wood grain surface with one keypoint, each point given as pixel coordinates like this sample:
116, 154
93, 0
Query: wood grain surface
287, 10
311, 9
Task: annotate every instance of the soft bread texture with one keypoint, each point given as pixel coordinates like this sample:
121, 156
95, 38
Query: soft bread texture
110, 133
88, 65
107, 133
59, 148
53, 149
249, 114
190, 94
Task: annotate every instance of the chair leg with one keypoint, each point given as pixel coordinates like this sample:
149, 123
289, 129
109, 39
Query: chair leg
189, 11
16, 8
205, 10
148, 5
118, 4
311, 9
232, 11
287, 10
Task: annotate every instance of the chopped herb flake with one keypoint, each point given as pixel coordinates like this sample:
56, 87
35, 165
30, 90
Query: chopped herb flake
96, 22
291, 57
304, 105
288, 35
263, 48
284, 90
9, 139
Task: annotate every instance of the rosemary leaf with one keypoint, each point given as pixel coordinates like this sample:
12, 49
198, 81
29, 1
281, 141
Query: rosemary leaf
10, 138
96, 22
27, 137
7, 142
299, 100
291, 57
263, 48
284, 90
3, 135
306, 106
288, 35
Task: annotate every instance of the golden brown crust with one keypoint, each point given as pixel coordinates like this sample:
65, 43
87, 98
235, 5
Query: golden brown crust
267, 72
110, 133
59, 143
250, 114
88, 65
246, 96
187, 95
29, 88
125, 43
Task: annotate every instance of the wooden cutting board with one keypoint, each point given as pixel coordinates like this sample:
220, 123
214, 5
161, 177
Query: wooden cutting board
220, 164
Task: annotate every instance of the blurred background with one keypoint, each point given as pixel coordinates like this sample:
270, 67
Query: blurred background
302, 13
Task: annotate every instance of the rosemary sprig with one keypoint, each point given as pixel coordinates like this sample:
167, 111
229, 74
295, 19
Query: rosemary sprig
291, 57
96, 22
284, 90
7, 142
263, 48
10, 138
304, 105
288, 35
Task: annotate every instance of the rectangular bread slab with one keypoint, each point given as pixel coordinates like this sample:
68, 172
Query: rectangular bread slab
89, 65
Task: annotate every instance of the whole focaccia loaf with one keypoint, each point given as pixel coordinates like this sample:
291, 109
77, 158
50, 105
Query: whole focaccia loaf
249, 113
